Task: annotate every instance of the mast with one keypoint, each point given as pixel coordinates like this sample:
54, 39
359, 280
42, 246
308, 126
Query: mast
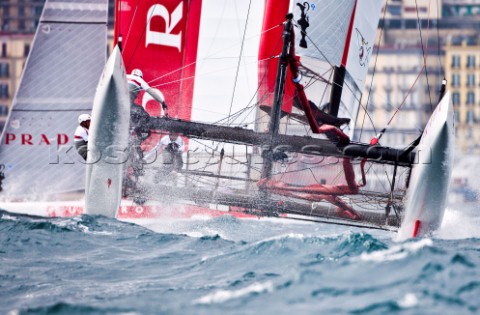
117, 34
337, 88
339, 72
443, 88
274, 123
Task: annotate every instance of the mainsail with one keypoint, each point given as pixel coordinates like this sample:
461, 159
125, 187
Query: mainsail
190, 50
58, 84
337, 42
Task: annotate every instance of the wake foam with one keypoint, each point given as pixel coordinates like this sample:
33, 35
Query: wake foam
222, 296
397, 252
460, 224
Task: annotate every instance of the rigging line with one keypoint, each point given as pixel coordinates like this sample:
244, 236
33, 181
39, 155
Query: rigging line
180, 69
253, 96
442, 69
423, 49
373, 76
314, 45
377, 175
197, 179
210, 56
194, 76
302, 123
131, 22
287, 124
253, 106
234, 159
214, 34
247, 114
258, 87
309, 168
406, 96
118, 13
321, 76
236, 115
172, 72
244, 112
261, 117
139, 39
349, 88
316, 75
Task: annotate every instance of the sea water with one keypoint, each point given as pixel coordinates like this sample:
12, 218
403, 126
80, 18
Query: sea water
95, 265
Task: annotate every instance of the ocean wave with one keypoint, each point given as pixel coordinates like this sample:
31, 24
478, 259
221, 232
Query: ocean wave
101, 265
409, 300
459, 224
222, 296
71, 309
397, 252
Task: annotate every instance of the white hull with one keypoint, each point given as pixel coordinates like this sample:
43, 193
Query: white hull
430, 178
108, 140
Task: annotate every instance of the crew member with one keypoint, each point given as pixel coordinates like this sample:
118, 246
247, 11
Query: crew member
139, 115
171, 146
139, 118
81, 135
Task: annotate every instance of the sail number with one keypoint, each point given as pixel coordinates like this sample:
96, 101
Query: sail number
171, 21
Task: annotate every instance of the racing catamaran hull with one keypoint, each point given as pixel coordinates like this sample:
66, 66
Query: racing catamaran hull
202, 91
108, 140
153, 212
430, 178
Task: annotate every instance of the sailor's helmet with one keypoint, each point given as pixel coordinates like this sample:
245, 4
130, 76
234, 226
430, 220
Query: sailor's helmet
137, 72
83, 117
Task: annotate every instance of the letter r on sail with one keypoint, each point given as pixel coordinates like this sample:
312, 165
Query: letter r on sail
165, 39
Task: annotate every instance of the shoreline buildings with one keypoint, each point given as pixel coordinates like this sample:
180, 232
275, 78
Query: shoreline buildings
19, 20
447, 38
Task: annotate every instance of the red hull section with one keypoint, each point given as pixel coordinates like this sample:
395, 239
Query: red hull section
157, 211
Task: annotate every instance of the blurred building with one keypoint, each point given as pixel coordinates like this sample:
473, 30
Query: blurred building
20, 16
14, 51
401, 93
445, 35
19, 21
462, 68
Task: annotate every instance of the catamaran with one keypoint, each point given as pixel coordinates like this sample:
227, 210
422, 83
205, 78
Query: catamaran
266, 95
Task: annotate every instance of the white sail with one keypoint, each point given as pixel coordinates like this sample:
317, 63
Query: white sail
337, 34
362, 39
57, 85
